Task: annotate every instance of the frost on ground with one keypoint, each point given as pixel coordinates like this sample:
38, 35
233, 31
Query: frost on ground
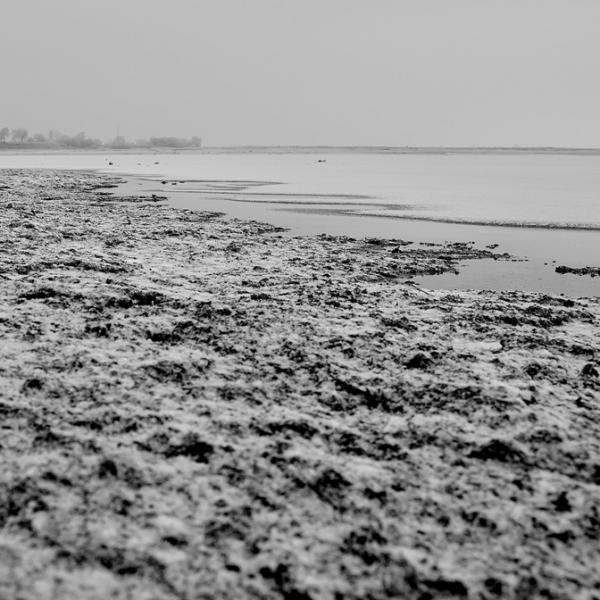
194, 407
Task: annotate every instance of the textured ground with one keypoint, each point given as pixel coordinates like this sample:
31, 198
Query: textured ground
193, 407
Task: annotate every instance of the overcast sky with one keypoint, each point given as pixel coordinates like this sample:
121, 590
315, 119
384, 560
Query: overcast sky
337, 72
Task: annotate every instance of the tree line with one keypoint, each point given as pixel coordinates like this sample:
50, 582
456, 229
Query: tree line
20, 137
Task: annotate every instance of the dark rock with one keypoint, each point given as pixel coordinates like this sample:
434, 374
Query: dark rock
146, 297
565, 536
193, 447
590, 370
166, 370
260, 296
190, 445
283, 581
527, 588
107, 468
233, 247
163, 337
374, 399
299, 427
533, 369
41, 293
561, 503
98, 329
330, 486
579, 350
367, 543
494, 586
444, 587
32, 384
499, 450
399, 322
419, 361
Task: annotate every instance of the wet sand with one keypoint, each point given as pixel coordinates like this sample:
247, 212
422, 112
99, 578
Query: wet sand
197, 407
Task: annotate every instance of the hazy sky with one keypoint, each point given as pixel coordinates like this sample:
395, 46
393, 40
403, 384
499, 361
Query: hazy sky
379, 72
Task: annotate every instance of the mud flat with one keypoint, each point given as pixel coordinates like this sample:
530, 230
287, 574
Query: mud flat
193, 407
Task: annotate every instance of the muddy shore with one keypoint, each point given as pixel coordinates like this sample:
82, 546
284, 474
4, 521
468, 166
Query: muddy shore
197, 407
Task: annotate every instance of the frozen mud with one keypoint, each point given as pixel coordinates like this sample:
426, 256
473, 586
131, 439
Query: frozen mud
195, 407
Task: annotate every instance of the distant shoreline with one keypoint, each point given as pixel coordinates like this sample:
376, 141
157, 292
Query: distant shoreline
405, 150
437, 150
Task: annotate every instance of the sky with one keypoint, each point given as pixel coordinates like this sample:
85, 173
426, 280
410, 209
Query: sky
306, 72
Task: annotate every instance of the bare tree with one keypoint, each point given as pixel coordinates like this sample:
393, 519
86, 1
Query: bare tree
4, 134
19, 135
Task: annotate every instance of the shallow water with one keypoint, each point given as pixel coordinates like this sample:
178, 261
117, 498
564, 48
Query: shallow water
543, 208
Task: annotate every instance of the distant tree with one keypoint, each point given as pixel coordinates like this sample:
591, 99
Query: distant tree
19, 135
120, 143
39, 138
78, 141
4, 134
54, 136
175, 142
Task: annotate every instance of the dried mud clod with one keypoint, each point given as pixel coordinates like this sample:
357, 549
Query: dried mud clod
192, 408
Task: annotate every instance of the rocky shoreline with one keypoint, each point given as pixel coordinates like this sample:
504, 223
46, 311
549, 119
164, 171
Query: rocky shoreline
197, 407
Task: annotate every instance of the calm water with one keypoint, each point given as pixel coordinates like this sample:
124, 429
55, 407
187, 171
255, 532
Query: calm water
542, 208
